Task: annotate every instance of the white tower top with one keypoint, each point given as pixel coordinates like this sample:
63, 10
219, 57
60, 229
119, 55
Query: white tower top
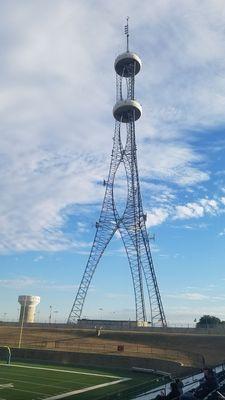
28, 306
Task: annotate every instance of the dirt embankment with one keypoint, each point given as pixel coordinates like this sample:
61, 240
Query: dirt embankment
171, 346
212, 347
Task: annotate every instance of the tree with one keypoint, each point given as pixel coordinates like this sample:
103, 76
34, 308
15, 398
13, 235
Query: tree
208, 321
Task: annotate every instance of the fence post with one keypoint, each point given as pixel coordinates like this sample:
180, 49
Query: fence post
203, 361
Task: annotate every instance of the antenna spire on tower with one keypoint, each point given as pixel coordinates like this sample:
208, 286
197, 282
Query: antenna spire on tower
126, 30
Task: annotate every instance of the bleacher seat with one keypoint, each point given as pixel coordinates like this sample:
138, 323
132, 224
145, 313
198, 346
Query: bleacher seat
221, 387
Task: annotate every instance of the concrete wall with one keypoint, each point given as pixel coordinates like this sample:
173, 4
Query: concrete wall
99, 361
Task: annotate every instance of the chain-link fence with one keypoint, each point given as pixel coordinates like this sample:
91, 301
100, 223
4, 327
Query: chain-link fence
129, 349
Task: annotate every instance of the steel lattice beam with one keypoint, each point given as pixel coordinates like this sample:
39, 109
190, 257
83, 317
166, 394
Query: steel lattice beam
131, 224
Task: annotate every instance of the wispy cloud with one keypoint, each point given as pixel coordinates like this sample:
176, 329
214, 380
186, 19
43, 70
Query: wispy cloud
198, 209
190, 210
156, 216
118, 296
195, 226
19, 283
55, 136
27, 282
188, 296
38, 258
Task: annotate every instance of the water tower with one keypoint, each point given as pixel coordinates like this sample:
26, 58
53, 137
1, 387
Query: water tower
28, 306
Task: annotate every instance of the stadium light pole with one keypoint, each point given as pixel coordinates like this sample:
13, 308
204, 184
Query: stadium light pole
50, 315
38, 316
22, 322
55, 312
100, 312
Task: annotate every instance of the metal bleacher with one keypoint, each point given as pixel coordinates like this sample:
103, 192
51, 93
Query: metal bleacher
219, 393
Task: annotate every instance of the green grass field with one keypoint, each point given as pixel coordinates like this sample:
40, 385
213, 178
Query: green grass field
35, 382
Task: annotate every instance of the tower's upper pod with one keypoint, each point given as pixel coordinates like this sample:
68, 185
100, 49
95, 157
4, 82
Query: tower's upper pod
127, 64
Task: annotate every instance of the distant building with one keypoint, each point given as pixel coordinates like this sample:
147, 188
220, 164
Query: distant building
105, 323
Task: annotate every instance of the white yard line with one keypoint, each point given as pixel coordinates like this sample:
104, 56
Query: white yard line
74, 392
29, 391
28, 383
61, 370
6, 385
10, 386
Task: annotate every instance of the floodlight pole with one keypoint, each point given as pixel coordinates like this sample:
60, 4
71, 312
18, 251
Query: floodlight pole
22, 323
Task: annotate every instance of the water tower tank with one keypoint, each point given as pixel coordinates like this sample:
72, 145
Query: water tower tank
28, 306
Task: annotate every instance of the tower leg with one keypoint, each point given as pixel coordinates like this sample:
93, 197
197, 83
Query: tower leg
103, 236
134, 222
134, 259
105, 229
157, 311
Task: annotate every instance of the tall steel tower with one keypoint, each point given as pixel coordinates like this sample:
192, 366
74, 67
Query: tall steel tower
131, 223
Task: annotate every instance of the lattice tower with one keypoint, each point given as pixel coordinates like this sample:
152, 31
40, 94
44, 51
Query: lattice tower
131, 224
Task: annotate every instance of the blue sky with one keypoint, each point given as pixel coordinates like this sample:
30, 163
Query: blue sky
57, 90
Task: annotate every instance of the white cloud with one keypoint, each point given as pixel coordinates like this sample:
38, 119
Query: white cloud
210, 205
222, 199
191, 210
188, 296
118, 296
195, 226
197, 209
56, 95
171, 161
194, 296
156, 217
19, 283
29, 282
38, 258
